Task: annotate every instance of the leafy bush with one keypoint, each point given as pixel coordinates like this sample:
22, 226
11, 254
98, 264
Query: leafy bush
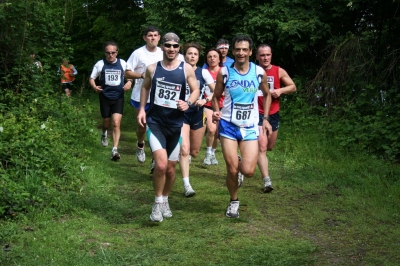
43, 145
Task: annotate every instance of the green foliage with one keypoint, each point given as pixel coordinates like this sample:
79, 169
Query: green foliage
39, 152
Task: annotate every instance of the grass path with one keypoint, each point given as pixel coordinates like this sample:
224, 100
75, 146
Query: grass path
328, 208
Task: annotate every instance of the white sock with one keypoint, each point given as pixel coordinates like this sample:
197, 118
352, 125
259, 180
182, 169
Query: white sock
267, 181
186, 181
165, 198
159, 199
104, 132
209, 150
115, 148
213, 151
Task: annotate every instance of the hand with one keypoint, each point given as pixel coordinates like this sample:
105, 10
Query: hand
127, 86
216, 116
200, 103
182, 105
98, 89
141, 118
276, 93
267, 128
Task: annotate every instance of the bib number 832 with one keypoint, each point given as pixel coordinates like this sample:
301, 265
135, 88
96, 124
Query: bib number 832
167, 94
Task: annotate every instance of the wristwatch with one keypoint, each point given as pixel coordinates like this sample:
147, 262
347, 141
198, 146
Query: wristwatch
188, 102
207, 100
266, 118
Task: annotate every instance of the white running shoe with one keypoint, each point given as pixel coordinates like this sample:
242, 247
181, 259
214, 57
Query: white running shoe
189, 191
104, 141
156, 214
152, 166
240, 175
213, 160
140, 155
233, 209
267, 185
166, 211
115, 155
207, 159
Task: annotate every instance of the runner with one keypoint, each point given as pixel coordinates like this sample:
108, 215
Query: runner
238, 117
193, 124
164, 118
276, 76
146, 55
214, 64
111, 93
68, 73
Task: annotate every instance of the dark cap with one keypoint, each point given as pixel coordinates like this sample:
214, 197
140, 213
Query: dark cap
170, 37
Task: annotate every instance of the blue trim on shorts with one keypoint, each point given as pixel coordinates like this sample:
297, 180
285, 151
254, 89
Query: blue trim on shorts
137, 105
230, 131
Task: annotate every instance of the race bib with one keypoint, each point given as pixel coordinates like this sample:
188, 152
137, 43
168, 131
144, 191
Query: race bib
112, 77
242, 114
271, 83
167, 94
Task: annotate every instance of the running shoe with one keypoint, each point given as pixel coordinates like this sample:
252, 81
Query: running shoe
207, 159
156, 214
213, 160
104, 141
233, 209
267, 185
152, 166
115, 155
189, 191
240, 175
166, 211
140, 155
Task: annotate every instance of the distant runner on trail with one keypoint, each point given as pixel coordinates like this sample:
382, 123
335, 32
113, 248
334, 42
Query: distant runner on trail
276, 75
111, 93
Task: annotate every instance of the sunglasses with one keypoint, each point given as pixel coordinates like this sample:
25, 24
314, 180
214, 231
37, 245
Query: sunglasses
111, 53
168, 45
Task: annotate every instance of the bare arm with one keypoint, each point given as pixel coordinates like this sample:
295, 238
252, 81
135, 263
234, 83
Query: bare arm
194, 88
218, 91
290, 87
129, 74
144, 95
96, 88
267, 129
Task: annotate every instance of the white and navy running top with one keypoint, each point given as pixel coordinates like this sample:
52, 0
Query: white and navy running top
240, 105
167, 86
111, 77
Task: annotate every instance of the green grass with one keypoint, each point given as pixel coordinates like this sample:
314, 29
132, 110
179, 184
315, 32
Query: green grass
329, 207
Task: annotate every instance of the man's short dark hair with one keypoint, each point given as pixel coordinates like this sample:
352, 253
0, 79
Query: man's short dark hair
221, 41
110, 43
242, 38
150, 29
263, 45
196, 45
